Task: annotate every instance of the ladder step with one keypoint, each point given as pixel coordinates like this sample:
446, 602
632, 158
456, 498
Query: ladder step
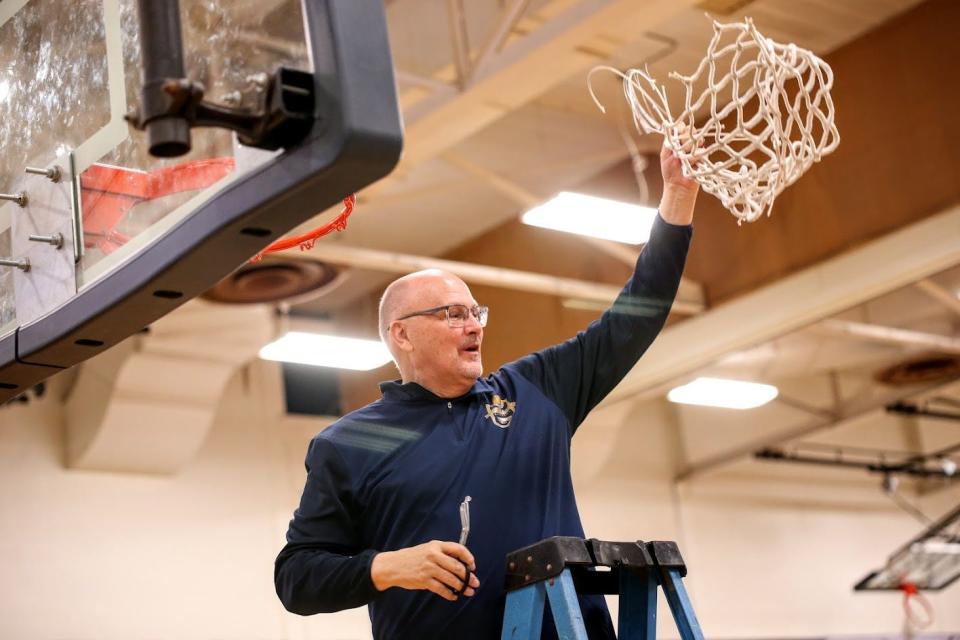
560, 568
548, 558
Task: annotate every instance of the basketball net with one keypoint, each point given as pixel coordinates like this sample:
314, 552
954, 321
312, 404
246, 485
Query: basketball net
770, 116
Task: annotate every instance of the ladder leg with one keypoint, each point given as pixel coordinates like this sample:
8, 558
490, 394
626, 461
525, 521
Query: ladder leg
566, 608
680, 605
523, 613
638, 606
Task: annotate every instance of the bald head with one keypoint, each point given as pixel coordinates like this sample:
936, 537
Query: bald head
413, 292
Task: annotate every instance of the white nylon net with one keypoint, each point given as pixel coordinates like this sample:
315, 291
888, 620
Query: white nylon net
771, 116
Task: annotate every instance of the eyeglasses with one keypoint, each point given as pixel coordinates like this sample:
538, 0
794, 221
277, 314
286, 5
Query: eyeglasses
457, 314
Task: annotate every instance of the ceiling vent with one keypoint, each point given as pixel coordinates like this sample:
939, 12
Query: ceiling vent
928, 368
274, 279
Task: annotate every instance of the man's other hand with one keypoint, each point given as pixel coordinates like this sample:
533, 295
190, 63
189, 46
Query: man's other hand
437, 566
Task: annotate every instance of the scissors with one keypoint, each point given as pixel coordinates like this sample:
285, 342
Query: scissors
464, 534
464, 520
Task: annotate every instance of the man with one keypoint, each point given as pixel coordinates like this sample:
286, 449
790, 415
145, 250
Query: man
379, 511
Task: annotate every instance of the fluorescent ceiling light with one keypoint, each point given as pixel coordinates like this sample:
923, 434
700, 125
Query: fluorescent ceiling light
327, 351
592, 216
728, 394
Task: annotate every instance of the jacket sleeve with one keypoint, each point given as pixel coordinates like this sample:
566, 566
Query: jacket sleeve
323, 567
577, 374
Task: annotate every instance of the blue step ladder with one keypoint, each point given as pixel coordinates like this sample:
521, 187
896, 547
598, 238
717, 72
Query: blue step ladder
560, 568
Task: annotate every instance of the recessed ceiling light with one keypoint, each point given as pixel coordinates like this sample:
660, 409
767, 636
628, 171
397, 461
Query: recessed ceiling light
727, 394
595, 217
327, 351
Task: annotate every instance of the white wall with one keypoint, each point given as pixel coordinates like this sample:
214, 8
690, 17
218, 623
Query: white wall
105, 555
773, 552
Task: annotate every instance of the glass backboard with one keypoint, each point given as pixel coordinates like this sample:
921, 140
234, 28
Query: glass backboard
84, 199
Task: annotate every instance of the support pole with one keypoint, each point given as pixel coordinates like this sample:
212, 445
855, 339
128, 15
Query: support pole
161, 50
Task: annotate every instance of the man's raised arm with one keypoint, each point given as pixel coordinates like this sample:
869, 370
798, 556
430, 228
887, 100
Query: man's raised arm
579, 373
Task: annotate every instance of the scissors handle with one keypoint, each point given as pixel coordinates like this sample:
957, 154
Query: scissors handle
464, 520
464, 534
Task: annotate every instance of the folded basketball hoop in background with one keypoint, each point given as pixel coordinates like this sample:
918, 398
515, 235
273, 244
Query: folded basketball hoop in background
770, 116
929, 562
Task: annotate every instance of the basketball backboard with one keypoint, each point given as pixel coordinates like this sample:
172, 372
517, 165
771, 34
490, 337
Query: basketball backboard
98, 238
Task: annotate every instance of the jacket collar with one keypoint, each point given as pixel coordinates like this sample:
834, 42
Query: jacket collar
395, 391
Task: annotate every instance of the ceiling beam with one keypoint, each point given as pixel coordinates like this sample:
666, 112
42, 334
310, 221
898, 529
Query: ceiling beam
889, 335
883, 265
507, 187
853, 411
459, 40
400, 263
499, 35
525, 70
424, 82
941, 294
806, 407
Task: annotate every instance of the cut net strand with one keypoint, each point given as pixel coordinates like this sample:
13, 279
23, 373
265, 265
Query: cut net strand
778, 121
307, 240
916, 608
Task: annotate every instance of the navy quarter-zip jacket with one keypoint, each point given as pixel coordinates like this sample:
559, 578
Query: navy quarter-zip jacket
393, 474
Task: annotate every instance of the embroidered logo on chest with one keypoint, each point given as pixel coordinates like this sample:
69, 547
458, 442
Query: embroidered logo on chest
500, 411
